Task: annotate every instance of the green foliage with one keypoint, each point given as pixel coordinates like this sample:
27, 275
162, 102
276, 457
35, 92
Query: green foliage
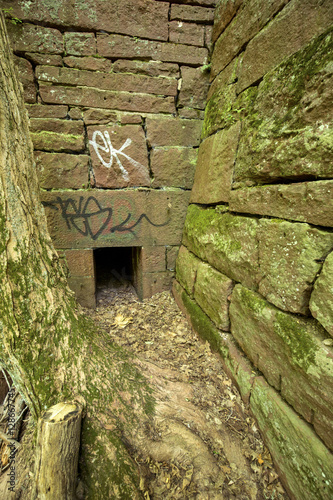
13, 19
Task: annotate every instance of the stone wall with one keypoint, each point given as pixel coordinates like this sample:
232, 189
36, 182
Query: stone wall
115, 92
255, 269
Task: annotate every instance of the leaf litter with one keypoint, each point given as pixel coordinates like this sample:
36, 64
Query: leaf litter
156, 332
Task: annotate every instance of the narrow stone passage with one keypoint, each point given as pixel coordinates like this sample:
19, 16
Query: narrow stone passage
224, 455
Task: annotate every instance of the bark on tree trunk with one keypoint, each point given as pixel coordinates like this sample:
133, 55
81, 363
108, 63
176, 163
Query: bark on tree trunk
57, 453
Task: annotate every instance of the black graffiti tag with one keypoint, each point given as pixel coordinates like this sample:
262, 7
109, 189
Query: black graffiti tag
89, 218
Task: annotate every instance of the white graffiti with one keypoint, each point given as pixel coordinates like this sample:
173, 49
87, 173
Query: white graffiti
107, 147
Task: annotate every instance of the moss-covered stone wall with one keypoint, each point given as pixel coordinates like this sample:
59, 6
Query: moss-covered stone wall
115, 91
255, 270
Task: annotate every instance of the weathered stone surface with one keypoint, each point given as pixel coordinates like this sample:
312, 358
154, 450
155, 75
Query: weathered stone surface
194, 87
173, 132
173, 167
208, 37
288, 350
42, 111
80, 44
44, 59
89, 63
154, 283
152, 259
149, 68
188, 33
171, 257
95, 98
145, 19
224, 13
27, 78
288, 132
290, 256
121, 218
305, 202
80, 262
119, 156
289, 31
244, 26
84, 288
61, 170
117, 46
56, 125
223, 107
211, 291
186, 269
206, 3
76, 114
30, 38
214, 171
192, 13
52, 141
102, 116
106, 81
321, 303
227, 242
129, 118
302, 460
196, 114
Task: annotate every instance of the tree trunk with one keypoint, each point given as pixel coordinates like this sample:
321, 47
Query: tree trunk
57, 453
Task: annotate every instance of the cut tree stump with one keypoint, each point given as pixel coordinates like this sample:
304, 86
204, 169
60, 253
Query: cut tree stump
57, 452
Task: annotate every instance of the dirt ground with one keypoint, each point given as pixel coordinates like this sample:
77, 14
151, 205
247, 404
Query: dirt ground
209, 404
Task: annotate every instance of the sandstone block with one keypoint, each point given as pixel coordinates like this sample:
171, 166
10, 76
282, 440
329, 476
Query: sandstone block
305, 201
116, 46
287, 134
208, 38
173, 132
153, 283
303, 461
245, 25
95, 98
55, 125
194, 87
212, 291
148, 68
106, 81
227, 242
187, 33
27, 78
119, 156
129, 118
61, 170
192, 13
44, 59
288, 350
80, 44
186, 269
76, 114
42, 111
80, 262
289, 32
224, 13
100, 116
214, 171
290, 256
195, 114
31, 38
152, 259
88, 63
141, 19
321, 303
173, 167
84, 288
52, 141
206, 3
171, 257
121, 218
